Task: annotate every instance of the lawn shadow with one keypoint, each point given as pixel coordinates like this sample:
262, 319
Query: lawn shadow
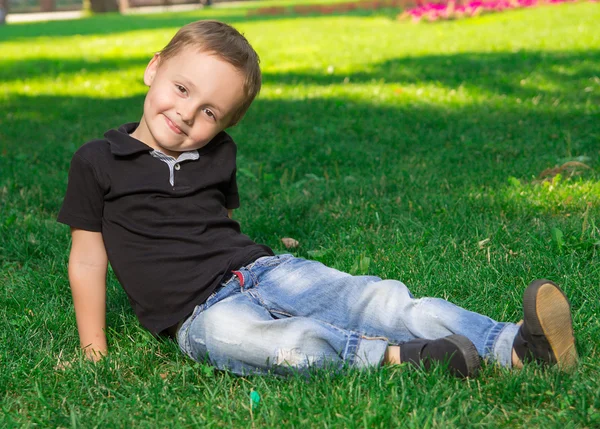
23, 70
555, 73
496, 73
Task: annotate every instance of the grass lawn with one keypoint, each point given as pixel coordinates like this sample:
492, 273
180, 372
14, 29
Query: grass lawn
399, 150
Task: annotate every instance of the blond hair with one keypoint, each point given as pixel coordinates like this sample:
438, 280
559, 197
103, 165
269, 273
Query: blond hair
228, 44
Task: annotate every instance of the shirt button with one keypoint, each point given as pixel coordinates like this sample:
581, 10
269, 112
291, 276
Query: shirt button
177, 167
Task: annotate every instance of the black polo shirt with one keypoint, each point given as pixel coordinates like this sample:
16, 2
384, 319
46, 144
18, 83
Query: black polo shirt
170, 245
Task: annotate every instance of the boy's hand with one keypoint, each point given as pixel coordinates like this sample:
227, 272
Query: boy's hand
88, 264
94, 355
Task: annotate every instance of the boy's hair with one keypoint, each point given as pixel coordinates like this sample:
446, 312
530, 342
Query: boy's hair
228, 44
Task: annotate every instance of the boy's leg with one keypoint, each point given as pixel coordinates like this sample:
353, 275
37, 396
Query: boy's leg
289, 286
234, 332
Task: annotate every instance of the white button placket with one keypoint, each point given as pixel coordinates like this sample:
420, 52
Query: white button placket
175, 164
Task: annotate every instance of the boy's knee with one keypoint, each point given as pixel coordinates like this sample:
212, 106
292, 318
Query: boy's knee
391, 292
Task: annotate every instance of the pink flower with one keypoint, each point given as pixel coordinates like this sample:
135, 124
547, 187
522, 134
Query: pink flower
435, 11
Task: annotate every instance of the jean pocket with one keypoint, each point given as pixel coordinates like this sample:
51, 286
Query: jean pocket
182, 333
188, 342
197, 310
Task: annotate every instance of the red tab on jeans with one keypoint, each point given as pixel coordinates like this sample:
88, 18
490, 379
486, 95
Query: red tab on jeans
240, 276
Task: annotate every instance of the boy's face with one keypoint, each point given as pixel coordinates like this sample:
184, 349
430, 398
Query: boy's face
192, 97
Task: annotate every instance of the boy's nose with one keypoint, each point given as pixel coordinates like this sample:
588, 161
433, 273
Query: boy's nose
187, 112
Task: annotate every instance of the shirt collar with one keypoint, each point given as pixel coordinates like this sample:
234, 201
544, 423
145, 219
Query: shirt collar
122, 144
190, 155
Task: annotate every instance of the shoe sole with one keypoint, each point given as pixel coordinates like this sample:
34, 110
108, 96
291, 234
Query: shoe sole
469, 354
552, 311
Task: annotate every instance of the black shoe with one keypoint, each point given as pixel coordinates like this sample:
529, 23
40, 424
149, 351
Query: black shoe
456, 350
546, 335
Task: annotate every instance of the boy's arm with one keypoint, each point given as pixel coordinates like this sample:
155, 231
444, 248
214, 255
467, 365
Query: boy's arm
88, 264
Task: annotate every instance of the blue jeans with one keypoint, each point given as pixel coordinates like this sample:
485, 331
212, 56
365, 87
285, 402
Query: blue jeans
282, 313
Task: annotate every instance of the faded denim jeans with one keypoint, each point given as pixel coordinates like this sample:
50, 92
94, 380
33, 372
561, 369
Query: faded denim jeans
283, 313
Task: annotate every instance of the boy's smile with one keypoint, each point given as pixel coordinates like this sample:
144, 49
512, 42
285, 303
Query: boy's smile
192, 97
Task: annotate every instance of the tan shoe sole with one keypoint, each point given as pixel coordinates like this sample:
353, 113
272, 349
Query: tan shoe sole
554, 315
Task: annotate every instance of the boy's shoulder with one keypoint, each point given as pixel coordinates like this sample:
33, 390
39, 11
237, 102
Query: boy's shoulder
115, 142
94, 155
93, 148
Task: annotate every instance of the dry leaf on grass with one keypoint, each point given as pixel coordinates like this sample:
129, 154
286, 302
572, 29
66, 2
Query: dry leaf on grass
62, 364
570, 167
290, 243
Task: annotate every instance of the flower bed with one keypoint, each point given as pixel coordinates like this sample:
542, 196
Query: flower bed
453, 10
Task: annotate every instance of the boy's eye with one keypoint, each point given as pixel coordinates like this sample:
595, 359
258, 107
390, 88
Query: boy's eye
181, 89
209, 113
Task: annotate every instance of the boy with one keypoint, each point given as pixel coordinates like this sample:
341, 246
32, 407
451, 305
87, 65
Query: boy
155, 199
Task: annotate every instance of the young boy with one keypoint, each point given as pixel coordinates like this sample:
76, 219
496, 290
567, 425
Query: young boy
155, 199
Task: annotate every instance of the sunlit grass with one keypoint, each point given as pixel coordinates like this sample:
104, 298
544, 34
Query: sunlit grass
556, 193
386, 148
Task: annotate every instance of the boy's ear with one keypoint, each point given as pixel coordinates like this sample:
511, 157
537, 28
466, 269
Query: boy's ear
151, 69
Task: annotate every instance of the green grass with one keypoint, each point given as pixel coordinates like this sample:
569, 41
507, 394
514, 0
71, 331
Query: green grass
383, 147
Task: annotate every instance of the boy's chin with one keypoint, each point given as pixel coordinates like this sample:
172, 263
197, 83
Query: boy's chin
182, 146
